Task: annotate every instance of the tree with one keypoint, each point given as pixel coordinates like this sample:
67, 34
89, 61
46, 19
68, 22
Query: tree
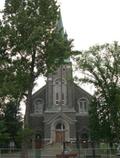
101, 67
13, 120
95, 132
4, 136
35, 44
32, 35
11, 85
3, 60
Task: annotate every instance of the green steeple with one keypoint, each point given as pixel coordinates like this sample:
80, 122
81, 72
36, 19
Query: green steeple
60, 28
60, 24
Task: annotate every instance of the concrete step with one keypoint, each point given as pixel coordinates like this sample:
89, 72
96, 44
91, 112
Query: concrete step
52, 149
56, 148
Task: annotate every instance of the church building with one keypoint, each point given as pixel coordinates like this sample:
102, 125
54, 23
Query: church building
60, 109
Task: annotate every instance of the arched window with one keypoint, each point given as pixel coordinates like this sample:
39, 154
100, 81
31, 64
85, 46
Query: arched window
38, 141
60, 126
59, 92
38, 106
57, 98
83, 105
84, 139
84, 136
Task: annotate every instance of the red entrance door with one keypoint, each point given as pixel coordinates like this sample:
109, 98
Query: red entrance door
60, 136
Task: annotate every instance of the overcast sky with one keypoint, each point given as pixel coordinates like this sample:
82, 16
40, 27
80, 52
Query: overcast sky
90, 21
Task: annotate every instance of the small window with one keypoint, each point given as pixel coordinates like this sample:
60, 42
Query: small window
62, 98
59, 92
38, 102
57, 102
58, 81
57, 98
60, 126
38, 106
83, 105
84, 136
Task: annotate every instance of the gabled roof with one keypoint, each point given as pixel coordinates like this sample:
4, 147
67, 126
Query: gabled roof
39, 91
81, 89
44, 88
61, 116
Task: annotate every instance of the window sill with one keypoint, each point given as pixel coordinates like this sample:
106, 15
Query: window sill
82, 114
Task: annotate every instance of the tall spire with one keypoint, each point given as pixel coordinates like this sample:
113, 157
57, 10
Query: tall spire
63, 33
60, 24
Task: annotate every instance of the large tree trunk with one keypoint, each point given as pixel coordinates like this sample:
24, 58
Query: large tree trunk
25, 143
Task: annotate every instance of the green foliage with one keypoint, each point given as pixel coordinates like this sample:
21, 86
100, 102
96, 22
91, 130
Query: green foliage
12, 118
4, 136
33, 40
24, 134
4, 61
33, 45
10, 123
94, 124
62, 47
101, 67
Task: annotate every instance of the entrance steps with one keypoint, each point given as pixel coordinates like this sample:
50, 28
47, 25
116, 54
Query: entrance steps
52, 149
56, 148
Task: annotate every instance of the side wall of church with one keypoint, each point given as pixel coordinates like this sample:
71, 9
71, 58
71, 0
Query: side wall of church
37, 124
81, 124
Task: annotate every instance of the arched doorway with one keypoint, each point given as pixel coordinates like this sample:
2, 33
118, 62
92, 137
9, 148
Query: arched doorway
38, 141
84, 140
60, 133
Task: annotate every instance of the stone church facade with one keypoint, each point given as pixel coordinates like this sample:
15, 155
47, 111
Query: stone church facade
60, 109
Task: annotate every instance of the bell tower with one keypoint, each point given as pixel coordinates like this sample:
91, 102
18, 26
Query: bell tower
59, 83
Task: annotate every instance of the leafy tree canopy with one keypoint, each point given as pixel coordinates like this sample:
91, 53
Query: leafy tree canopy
101, 67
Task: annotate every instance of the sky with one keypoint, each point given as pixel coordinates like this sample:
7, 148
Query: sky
89, 22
